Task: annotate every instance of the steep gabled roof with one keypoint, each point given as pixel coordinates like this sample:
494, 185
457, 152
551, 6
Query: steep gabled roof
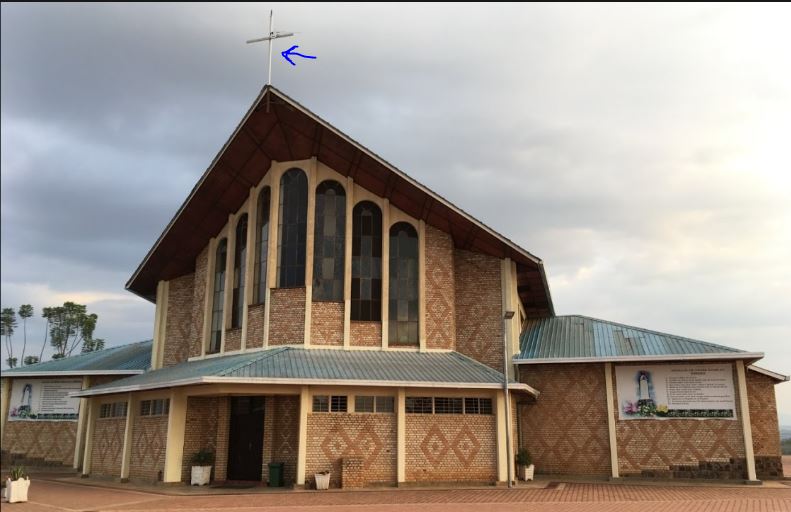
129, 359
581, 338
278, 128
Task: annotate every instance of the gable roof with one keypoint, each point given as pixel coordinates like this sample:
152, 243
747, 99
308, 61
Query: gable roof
129, 359
290, 365
576, 338
278, 128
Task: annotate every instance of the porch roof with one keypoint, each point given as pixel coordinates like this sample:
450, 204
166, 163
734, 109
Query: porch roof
292, 365
129, 359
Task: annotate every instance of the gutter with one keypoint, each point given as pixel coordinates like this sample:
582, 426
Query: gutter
72, 373
669, 357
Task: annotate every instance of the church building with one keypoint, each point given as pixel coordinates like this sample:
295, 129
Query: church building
318, 310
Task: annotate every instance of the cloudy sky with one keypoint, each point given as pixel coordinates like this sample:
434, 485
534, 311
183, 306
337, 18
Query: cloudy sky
640, 150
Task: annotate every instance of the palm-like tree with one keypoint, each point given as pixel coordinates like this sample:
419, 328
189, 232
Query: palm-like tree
7, 325
25, 312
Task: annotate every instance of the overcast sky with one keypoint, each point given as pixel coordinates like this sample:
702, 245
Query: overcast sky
640, 150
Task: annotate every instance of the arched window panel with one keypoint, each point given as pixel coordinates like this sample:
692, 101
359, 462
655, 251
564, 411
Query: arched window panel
292, 228
366, 302
403, 319
328, 242
239, 270
218, 296
261, 245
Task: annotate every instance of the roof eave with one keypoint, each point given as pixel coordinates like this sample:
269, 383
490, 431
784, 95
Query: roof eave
779, 377
72, 373
726, 356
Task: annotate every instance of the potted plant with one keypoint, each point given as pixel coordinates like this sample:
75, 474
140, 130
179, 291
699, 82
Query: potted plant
201, 467
16, 485
322, 480
525, 463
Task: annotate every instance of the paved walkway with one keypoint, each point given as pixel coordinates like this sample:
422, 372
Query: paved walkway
49, 496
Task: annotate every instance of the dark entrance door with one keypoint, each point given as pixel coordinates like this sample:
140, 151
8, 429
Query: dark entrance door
246, 438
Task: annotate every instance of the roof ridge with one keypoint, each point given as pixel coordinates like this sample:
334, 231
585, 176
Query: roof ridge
652, 331
76, 356
264, 354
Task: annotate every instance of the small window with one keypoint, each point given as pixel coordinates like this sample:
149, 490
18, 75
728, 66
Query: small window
385, 404
419, 405
477, 406
105, 410
158, 407
338, 404
335, 403
363, 404
113, 410
444, 405
321, 404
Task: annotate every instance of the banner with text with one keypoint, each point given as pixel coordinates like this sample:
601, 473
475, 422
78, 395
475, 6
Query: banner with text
672, 391
44, 400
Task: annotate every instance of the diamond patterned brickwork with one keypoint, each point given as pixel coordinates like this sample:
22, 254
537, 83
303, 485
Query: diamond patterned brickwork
200, 431
108, 445
440, 316
765, 428
365, 334
479, 324
223, 426
198, 302
149, 436
370, 438
679, 447
233, 339
565, 430
52, 441
178, 327
255, 325
285, 436
326, 323
287, 316
451, 448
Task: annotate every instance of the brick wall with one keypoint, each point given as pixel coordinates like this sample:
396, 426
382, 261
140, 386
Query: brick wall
372, 438
255, 325
565, 429
765, 427
326, 323
287, 316
149, 437
52, 441
451, 448
233, 339
108, 446
223, 425
479, 317
178, 326
285, 438
198, 301
200, 431
365, 334
440, 316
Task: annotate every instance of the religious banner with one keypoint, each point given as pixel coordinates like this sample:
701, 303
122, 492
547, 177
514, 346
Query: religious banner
673, 391
44, 400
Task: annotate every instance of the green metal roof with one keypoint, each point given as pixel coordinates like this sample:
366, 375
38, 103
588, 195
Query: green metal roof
290, 365
128, 359
575, 337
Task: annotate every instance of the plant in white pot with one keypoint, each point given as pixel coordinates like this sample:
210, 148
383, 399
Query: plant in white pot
323, 480
202, 463
16, 485
525, 463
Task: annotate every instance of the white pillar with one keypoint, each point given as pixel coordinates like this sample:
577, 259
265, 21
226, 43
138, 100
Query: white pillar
126, 453
93, 412
174, 449
611, 420
401, 427
302, 450
746, 425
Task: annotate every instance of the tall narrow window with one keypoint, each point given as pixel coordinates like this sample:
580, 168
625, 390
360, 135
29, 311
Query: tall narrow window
261, 246
292, 228
403, 319
239, 270
366, 262
328, 247
218, 297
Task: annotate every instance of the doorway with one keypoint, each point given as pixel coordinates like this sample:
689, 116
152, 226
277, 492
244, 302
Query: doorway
246, 438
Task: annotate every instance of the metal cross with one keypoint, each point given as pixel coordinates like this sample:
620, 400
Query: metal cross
272, 35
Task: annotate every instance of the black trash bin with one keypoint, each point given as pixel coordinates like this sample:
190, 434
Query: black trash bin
276, 474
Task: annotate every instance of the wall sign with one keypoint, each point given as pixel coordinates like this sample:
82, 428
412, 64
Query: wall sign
671, 391
44, 400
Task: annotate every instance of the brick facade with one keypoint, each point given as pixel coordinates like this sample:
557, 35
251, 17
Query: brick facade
178, 324
565, 430
108, 446
255, 325
369, 438
149, 437
49, 441
233, 339
223, 426
287, 316
479, 315
326, 323
198, 302
200, 431
440, 316
765, 427
285, 442
451, 448
365, 334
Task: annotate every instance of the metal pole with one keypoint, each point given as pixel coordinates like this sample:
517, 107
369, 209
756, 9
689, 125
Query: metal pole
507, 401
269, 78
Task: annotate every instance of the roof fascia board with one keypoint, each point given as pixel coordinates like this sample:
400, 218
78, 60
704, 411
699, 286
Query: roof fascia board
769, 373
618, 359
70, 373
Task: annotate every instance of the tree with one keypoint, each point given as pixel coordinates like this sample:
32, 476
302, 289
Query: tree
70, 327
7, 325
92, 345
46, 313
25, 312
30, 360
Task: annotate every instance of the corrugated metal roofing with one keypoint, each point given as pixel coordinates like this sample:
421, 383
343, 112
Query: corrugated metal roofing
576, 336
131, 357
325, 365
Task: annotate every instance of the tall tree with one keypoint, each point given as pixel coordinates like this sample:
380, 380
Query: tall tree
25, 312
7, 325
30, 360
70, 327
46, 313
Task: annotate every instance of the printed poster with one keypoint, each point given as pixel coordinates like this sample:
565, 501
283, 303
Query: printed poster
44, 400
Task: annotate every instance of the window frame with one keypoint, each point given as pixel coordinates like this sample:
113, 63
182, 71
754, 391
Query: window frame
329, 246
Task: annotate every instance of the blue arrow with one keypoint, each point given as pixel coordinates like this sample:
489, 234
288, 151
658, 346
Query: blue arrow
291, 51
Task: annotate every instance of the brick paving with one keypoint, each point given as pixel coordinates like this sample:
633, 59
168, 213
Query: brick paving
567, 497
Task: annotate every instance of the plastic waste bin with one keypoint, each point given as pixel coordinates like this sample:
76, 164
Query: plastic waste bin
276, 474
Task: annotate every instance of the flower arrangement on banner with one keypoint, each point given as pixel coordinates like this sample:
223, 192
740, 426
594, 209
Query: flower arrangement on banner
645, 410
22, 412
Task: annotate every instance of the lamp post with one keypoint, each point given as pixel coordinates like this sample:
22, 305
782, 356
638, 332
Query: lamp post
508, 315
